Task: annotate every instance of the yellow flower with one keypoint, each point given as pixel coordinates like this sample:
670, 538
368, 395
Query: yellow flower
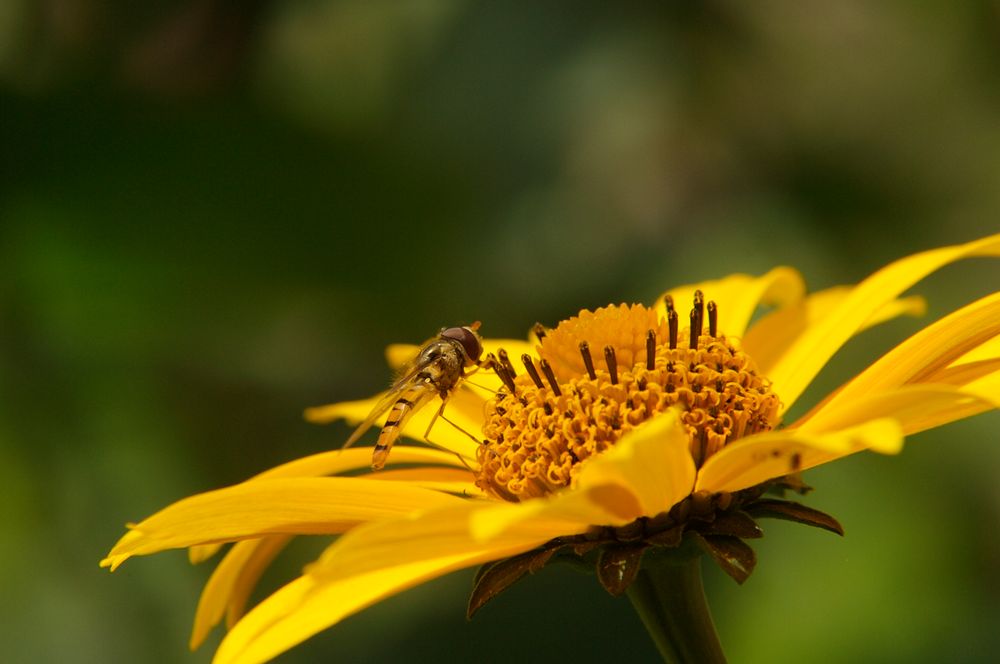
627, 429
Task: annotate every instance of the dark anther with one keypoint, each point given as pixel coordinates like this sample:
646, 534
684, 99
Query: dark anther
672, 322
502, 373
699, 302
612, 361
650, 349
539, 331
547, 370
505, 361
529, 364
695, 329
713, 319
588, 361
547, 408
668, 302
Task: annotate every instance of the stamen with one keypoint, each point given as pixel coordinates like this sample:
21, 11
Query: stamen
612, 362
672, 323
699, 303
539, 331
668, 300
588, 361
547, 370
529, 364
505, 361
502, 373
535, 440
695, 329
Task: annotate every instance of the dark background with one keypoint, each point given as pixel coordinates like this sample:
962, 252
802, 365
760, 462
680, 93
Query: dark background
215, 213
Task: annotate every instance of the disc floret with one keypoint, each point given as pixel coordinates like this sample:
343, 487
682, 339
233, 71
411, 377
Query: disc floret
600, 374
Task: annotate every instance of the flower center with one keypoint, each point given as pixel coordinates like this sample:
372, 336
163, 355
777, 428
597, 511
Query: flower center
602, 373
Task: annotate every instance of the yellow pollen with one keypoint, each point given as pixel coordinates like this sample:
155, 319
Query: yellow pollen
592, 381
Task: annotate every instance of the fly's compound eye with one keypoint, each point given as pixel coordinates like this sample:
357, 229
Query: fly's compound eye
471, 344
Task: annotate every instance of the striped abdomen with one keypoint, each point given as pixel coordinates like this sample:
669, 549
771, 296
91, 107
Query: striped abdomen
399, 414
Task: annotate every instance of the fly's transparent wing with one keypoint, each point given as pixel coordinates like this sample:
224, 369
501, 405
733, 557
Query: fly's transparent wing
407, 381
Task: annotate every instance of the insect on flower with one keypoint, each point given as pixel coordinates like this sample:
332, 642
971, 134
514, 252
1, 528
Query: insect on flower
437, 370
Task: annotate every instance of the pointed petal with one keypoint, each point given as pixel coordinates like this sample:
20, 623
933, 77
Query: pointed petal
312, 505
235, 575
266, 551
759, 458
738, 296
810, 352
368, 564
926, 357
769, 338
344, 461
915, 407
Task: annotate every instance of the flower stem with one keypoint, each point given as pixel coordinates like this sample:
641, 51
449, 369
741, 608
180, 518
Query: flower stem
669, 597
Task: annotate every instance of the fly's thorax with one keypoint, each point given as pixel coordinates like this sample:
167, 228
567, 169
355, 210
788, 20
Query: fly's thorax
442, 360
601, 374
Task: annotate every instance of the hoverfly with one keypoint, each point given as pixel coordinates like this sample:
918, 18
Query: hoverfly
437, 370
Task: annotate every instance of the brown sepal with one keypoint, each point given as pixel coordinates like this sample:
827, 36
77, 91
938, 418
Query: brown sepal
732, 554
617, 567
583, 548
735, 524
792, 482
494, 578
670, 538
790, 511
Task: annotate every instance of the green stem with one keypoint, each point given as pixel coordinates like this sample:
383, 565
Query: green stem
669, 597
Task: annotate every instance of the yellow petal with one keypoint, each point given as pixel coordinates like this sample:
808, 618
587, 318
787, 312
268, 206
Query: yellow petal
199, 553
231, 582
738, 296
310, 505
762, 457
369, 564
308, 605
914, 407
810, 351
769, 338
653, 461
398, 356
920, 358
344, 461
988, 350
350, 460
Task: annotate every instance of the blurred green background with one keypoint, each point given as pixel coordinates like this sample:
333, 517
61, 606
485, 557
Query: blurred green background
215, 213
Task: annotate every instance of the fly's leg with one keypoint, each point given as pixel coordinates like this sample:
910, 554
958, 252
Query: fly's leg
440, 413
485, 364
